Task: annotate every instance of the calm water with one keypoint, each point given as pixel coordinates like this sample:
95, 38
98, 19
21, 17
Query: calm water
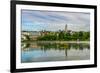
43, 52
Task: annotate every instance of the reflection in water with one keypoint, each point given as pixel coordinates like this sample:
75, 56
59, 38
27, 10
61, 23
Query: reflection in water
39, 52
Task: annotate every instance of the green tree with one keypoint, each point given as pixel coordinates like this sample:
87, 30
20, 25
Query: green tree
80, 35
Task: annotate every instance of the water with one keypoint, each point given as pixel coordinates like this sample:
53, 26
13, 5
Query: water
44, 52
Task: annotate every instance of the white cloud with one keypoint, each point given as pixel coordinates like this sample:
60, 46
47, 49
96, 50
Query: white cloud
57, 20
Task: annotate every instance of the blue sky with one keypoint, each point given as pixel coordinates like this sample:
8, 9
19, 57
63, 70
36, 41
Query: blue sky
32, 20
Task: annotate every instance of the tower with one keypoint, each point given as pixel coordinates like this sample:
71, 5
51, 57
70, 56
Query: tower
66, 28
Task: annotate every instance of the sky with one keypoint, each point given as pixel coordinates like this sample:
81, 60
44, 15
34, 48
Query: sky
32, 20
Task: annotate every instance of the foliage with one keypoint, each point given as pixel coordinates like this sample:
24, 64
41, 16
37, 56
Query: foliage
65, 36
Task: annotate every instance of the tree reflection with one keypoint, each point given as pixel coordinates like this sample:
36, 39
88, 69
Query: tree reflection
54, 46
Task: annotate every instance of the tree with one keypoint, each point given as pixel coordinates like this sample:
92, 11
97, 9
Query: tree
27, 37
80, 35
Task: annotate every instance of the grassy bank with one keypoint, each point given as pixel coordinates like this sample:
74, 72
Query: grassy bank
57, 41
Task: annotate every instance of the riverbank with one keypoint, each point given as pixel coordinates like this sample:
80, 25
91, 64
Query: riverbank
57, 41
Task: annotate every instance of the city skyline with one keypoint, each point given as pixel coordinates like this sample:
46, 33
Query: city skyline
54, 20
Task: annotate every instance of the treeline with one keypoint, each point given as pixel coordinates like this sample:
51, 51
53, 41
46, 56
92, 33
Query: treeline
65, 36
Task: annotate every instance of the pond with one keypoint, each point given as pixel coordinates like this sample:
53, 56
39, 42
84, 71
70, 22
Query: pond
45, 52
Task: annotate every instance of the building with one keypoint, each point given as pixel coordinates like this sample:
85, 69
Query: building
66, 28
31, 34
34, 34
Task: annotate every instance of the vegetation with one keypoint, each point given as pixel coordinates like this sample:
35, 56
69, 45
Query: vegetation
65, 36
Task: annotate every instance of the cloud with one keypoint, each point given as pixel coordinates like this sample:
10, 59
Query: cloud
53, 20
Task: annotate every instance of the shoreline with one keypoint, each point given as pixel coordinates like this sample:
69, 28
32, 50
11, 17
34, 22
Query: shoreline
56, 41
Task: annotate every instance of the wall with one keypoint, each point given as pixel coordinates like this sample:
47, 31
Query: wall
5, 37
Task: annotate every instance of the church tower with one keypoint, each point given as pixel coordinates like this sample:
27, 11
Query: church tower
66, 28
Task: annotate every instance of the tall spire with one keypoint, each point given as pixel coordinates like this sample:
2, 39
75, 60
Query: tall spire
66, 28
